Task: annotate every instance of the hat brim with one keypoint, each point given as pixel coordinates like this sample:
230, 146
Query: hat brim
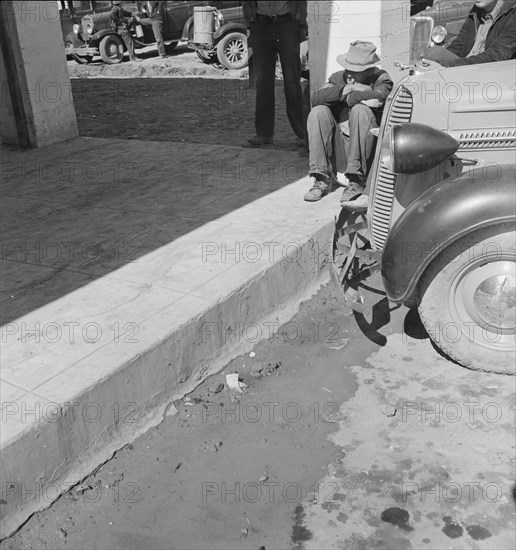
341, 60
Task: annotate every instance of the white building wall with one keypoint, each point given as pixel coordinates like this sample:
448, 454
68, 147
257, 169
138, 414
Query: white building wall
334, 25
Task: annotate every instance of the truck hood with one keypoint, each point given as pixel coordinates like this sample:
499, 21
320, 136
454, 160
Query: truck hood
471, 97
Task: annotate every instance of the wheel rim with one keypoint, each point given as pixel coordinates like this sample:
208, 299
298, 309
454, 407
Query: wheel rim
482, 302
234, 50
112, 49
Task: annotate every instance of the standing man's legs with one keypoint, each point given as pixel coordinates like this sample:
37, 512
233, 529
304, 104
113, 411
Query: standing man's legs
157, 29
129, 44
286, 34
264, 53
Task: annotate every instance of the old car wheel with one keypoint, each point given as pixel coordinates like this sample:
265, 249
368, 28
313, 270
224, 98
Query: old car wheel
232, 50
111, 49
468, 303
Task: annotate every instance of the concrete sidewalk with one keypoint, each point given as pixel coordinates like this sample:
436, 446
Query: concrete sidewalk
131, 271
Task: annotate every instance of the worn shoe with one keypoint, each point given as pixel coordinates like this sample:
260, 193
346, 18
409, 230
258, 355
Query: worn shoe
360, 204
355, 178
318, 190
259, 141
135, 59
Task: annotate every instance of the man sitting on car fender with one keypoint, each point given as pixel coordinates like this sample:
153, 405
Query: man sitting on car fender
344, 111
487, 35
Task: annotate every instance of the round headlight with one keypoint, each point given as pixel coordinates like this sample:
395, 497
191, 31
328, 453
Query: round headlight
439, 34
76, 28
219, 19
89, 28
412, 147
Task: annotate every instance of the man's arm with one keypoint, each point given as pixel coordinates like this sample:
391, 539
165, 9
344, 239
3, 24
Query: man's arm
302, 11
502, 49
457, 45
330, 93
380, 91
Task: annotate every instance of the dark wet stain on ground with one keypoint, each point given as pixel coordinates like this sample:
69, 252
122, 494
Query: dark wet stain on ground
330, 506
397, 516
427, 541
342, 517
452, 529
476, 532
300, 533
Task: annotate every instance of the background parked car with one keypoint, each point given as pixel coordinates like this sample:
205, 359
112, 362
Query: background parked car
72, 12
219, 33
94, 36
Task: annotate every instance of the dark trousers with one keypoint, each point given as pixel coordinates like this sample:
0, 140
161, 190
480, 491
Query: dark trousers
332, 151
125, 35
157, 29
269, 39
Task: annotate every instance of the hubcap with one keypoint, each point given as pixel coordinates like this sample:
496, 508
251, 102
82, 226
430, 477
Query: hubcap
113, 49
235, 51
483, 302
494, 300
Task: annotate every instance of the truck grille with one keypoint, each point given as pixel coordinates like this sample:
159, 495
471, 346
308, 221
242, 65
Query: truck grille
399, 111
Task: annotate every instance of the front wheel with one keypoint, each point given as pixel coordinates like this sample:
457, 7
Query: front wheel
468, 300
111, 49
232, 50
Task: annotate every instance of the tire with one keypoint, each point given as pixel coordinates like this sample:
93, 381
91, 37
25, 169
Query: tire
232, 50
82, 59
111, 49
467, 300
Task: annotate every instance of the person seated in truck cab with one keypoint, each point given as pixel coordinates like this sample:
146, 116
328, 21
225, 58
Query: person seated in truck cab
344, 111
487, 35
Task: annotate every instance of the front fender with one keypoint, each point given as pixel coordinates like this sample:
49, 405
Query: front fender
98, 36
188, 30
74, 40
444, 213
230, 27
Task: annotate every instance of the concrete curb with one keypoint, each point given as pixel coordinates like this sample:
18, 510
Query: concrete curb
142, 384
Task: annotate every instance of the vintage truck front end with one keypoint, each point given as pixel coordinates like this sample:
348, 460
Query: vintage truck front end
442, 214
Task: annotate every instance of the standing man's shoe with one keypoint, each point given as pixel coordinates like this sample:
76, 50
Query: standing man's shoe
318, 190
259, 141
360, 204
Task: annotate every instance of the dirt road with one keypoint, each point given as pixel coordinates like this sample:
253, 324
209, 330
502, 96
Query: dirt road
185, 100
